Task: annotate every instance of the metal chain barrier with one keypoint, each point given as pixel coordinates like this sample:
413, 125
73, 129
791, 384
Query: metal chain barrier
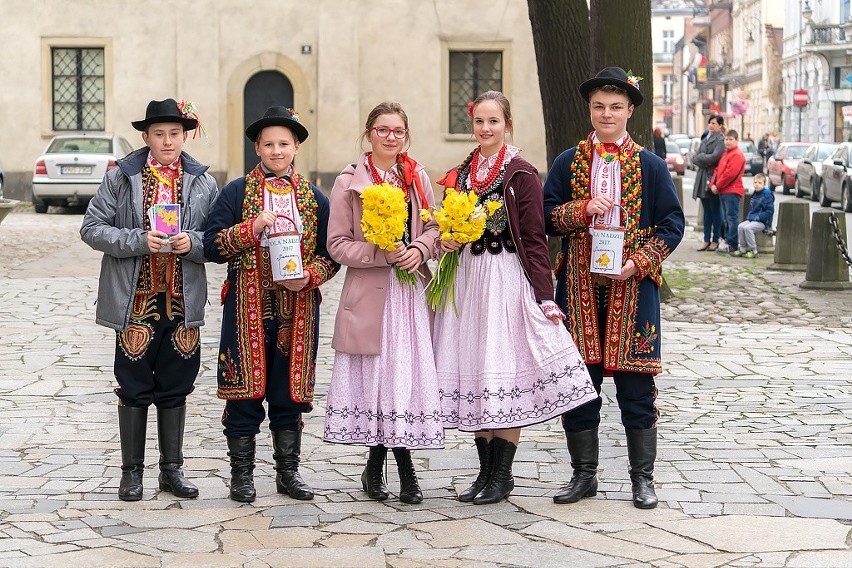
838, 238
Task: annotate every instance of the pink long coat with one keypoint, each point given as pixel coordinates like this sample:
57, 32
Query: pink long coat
358, 326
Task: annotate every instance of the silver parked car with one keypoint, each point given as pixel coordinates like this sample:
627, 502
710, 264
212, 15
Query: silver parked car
72, 167
809, 170
837, 178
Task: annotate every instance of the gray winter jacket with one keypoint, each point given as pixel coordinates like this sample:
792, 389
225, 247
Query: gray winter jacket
113, 225
707, 158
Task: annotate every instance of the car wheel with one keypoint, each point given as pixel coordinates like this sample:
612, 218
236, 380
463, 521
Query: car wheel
1, 187
846, 200
815, 189
40, 205
799, 192
823, 200
769, 183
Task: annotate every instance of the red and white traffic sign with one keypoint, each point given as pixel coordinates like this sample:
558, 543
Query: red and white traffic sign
801, 98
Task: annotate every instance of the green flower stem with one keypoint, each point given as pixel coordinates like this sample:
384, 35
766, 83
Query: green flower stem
404, 276
441, 289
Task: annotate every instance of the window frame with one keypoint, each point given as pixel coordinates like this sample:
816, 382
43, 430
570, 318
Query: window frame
47, 46
448, 46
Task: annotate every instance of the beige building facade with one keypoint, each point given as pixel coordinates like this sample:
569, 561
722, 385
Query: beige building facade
95, 64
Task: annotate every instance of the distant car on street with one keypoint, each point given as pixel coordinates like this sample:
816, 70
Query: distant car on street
781, 166
809, 170
837, 178
72, 167
674, 159
694, 144
754, 162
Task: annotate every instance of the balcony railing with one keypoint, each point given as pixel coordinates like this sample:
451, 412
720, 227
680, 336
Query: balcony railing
826, 35
663, 100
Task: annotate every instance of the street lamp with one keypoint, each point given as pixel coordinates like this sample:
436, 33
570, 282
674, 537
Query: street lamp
752, 23
807, 13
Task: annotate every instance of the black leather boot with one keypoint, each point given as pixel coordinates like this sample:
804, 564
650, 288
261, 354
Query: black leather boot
642, 453
409, 489
287, 447
501, 482
170, 427
372, 480
583, 447
485, 449
132, 425
241, 452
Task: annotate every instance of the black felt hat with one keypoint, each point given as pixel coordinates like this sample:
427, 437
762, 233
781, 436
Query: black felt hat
617, 77
277, 116
164, 111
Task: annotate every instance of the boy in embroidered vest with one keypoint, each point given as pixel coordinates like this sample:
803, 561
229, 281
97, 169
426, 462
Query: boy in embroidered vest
269, 336
153, 288
610, 180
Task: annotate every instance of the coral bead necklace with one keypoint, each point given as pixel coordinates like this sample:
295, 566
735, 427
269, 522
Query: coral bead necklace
477, 185
378, 179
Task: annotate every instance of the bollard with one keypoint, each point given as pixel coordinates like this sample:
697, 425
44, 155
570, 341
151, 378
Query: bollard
826, 268
791, 242
765, 243
699, 219
678, 183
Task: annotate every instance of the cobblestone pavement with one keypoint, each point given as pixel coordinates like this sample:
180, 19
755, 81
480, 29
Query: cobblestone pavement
754, 469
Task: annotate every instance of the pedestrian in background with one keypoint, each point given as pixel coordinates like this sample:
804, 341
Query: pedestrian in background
760, 214
384, 390
727, 183
608, 179
659, 143
706, 158
153, 288
504, 361
270, 328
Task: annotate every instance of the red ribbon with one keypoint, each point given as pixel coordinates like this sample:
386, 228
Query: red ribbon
408, 170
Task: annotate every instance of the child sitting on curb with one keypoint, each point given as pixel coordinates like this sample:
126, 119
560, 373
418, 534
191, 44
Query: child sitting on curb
759, 218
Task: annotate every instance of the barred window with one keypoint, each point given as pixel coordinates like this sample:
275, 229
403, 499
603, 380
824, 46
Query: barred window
78, 88
471, 74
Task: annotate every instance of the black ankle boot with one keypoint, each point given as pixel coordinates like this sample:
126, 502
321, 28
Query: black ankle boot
409, 489
583, 447
485, 449
287, 447
372, 480
642, 453
501, 482
132, 425
241, 452
170, 427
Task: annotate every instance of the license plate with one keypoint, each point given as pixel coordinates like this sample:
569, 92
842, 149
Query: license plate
75, 170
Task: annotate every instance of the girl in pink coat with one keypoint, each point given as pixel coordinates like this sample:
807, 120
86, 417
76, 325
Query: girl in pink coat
384, 389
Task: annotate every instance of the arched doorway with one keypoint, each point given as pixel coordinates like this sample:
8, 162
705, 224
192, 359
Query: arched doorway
262, 90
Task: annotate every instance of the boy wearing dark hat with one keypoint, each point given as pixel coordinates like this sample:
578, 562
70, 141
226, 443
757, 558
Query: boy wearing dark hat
153, 287
608, 180
270, 326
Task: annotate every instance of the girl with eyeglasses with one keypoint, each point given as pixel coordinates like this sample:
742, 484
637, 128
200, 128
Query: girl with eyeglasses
505, 361
384, 390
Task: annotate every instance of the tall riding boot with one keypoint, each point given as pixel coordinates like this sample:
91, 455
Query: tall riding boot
409, 489
501, 482
132, 424
241, 452
287, 446
485, 449
642, 453
170, 427
372, 480
583, 447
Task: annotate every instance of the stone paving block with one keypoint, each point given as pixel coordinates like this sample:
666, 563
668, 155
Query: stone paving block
821, 559
577, 538
100, 557
208, 560
402, 539
456, 533
179, 518
347, 540
662, 540
535, 555
174, 540
358, 526
325, 558
713, 560
753, 509
815, 508
772, 534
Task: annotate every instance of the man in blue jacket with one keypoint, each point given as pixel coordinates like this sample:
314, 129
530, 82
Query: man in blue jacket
153, 288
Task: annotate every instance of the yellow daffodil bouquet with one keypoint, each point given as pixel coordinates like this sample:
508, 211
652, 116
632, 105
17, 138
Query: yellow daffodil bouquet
462, 220
385, 214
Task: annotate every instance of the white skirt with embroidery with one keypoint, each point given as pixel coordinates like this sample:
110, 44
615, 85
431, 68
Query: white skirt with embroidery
500, 362
391, 398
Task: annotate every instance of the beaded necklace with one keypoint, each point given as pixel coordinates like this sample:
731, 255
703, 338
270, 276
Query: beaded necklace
394, 181
479, 186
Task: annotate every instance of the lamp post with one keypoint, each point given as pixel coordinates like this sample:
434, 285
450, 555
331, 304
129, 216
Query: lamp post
807, 13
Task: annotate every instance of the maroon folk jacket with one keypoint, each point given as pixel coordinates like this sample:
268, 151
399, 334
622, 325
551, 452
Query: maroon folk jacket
524, 199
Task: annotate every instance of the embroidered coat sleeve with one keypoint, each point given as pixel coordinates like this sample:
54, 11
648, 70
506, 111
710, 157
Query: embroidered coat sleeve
345, 217
207, 190
99, 230
227, 235
321, 267
660, 202
529, 198
562, 213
